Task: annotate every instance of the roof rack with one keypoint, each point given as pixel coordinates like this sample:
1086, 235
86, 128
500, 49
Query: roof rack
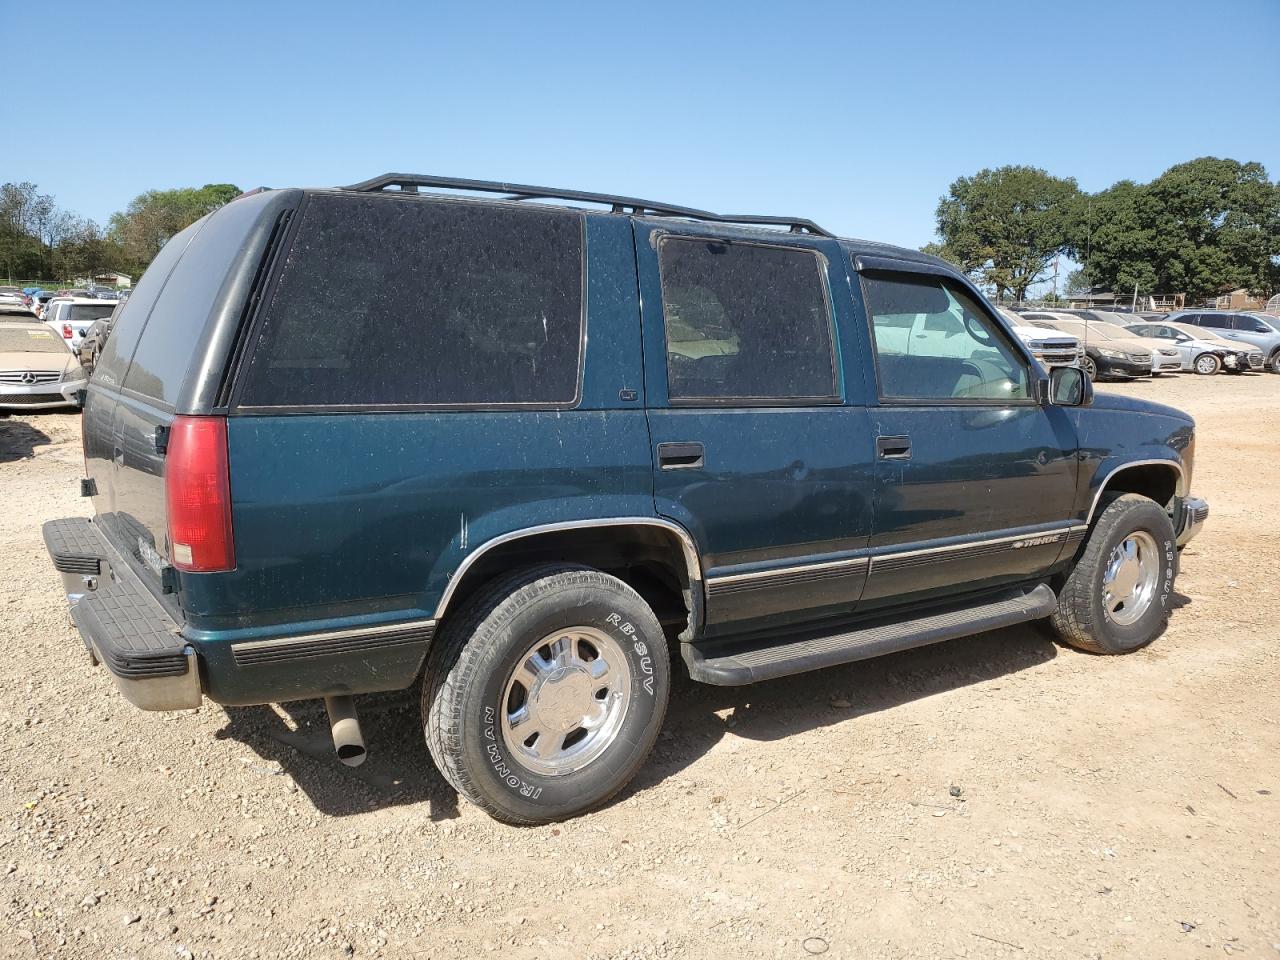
410, 182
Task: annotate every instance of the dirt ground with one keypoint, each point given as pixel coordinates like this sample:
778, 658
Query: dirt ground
1122, 807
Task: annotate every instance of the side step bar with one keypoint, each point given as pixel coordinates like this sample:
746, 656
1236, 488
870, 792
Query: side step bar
730, 663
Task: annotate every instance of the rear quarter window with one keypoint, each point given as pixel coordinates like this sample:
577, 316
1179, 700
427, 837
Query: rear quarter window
176, 323
111, 366
386, 301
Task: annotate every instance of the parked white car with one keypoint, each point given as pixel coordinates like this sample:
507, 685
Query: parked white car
1050, 348
70, 317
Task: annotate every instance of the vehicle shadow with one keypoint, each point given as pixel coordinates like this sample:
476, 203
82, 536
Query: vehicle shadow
18, 440
697, 717
397, 770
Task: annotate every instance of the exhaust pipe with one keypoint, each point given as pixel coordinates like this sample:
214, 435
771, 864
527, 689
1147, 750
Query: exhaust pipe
348, 741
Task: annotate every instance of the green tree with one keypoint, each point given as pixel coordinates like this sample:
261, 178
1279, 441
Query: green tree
152, 218
1200, 228
1005, 226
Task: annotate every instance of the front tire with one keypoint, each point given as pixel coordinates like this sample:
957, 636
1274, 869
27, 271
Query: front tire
1207, 364
545, 694
1090, 369
1116, 598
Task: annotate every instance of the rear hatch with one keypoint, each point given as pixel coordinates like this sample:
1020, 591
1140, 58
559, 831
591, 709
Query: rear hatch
164, 359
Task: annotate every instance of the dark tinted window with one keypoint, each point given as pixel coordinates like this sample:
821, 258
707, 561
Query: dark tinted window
1219, 321
745, 321
387, 301
133, 314
1252, 325
933, 341
81, 312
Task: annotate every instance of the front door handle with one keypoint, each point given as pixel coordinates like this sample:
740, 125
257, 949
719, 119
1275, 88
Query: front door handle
893, 448
680, 456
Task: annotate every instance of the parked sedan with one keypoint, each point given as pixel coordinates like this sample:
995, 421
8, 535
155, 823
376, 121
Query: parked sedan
1201, 351
1102, 358
1247, 329
37, 369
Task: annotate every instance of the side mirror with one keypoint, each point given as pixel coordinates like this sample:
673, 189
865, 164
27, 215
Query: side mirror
1069, 387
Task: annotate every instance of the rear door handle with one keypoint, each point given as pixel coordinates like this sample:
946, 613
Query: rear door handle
893, 448
680, 456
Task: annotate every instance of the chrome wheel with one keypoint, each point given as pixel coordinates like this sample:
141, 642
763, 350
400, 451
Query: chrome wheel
1206, 364
565, 701
1130, 577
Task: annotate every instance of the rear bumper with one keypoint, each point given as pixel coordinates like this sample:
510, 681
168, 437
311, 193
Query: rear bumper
41, 396
121, 624
1191, 518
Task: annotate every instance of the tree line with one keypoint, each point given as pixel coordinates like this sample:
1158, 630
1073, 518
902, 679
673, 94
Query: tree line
42, 242
1201, 228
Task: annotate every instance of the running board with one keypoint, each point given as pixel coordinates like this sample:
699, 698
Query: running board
731, 663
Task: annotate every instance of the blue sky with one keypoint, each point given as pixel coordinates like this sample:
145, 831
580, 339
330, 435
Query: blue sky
857, 115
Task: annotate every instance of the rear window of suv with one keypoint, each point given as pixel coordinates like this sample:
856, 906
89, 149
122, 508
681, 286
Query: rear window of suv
388, 301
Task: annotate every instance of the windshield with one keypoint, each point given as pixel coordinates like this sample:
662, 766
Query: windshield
90, 311
31, 341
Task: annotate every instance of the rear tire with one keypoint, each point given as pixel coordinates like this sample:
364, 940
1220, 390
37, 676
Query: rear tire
1273, 362
545, 693
1116, 598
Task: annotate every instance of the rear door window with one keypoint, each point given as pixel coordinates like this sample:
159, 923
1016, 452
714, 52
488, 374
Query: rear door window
746, 322
1216, 320
386, 301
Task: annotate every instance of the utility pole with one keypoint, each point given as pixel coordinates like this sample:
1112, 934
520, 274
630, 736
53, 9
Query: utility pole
1134, 308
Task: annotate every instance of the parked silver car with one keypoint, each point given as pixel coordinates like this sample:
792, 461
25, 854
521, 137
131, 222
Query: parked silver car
1248, 329
1200, 350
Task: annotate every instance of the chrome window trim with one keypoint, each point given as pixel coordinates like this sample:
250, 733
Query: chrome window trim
1180, 488
690, 550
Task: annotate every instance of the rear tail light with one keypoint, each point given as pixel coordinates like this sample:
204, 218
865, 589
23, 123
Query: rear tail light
66, 331
197, 487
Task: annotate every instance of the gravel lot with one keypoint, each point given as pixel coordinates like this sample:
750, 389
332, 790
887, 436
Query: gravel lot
1107, 807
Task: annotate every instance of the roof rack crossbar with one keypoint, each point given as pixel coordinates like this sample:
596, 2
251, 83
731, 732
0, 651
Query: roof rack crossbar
410, 182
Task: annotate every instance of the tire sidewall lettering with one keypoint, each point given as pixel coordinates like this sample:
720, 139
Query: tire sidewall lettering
506, 770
